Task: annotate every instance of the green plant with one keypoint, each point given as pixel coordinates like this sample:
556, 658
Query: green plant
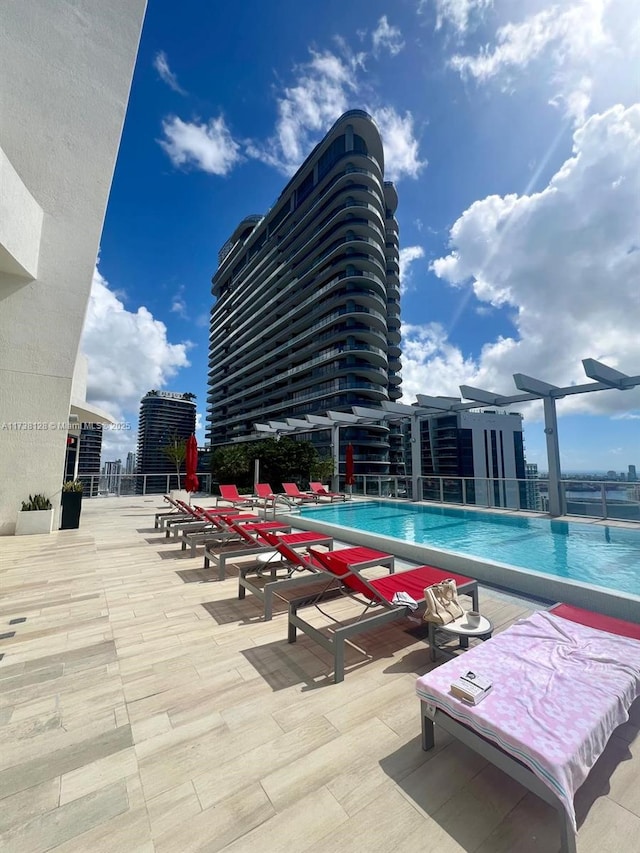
175, 451
323, 469
36, 502
73, 486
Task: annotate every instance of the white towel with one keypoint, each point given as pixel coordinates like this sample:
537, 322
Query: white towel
405, 599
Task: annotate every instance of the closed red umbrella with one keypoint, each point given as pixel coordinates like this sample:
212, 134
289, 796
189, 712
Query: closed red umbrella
349, 478
191, 483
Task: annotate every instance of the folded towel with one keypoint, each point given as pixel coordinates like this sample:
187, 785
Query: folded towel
405, 599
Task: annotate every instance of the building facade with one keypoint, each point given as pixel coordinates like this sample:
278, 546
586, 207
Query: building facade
474, 457
307, 311
164, 417
65, 73
84, 448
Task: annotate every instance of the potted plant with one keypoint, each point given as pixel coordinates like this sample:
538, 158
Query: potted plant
71, 504
36, 516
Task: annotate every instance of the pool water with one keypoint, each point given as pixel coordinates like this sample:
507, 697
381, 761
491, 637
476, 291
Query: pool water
589, 553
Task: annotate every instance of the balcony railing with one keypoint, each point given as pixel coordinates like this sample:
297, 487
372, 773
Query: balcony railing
614, 500
121, 485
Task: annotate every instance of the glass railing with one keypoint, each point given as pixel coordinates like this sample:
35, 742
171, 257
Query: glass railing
606, 499
126, 485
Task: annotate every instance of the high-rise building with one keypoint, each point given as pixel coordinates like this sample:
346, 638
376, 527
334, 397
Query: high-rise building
480, 455
307, 311
84, 448
130, 465
112, 473
164, 416
632, 476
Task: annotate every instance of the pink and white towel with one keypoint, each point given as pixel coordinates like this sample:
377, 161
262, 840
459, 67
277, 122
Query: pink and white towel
559, 691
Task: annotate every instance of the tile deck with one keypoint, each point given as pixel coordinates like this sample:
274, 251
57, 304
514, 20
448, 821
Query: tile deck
144, 708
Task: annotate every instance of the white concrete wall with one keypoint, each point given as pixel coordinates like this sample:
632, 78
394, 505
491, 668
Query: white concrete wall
65, 74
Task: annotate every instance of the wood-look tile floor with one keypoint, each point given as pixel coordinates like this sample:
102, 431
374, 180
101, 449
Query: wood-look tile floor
144, 708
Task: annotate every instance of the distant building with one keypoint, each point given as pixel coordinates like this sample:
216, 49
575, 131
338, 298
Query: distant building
84, 448
130, 466
164, 416
307, 311
112, 473
632, 476
534, 499
479, 455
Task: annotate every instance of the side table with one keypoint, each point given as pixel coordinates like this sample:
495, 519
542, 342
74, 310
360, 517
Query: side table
462, 629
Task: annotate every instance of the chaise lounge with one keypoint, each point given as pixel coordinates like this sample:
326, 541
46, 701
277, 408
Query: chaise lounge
567, 677
345, 580
319, 490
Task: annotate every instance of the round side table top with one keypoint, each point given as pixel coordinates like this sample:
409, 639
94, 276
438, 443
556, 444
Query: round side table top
462, 627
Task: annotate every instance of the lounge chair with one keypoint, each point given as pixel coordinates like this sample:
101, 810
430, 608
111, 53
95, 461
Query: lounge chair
165, 513
233, 532
222, 529
292, 491
254, 540
301, 569
567, 685
347, 581
319, 490
230, 495
265, 493
198, 519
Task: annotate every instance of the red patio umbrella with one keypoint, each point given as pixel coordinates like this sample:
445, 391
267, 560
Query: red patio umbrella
349, 478
191, 483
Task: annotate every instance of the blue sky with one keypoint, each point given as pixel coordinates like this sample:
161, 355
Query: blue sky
512, 131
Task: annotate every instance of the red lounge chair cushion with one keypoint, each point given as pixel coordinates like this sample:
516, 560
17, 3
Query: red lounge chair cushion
339, 560
414, 581
597, 620
294, 538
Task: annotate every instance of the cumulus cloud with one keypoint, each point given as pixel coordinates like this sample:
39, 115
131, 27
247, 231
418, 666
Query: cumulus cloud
563, 261
326, 87
401, 148
161, 64
307, 109
128, 352
209, 146
387, 37
407, 257
590, 47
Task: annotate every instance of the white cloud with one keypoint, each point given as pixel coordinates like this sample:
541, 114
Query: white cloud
590, 49
407, 256
179, 305
326, 87
387, 37
564, 261
456, 14
128, 352
208, 147
307, 110
401, 148
161, 64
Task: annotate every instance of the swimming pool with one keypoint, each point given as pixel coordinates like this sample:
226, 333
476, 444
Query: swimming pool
594, 554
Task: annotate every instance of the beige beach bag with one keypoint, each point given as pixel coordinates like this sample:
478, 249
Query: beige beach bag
442, 605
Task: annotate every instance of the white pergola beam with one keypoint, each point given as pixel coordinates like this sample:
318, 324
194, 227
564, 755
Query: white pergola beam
480, 395
535, 386
603, 373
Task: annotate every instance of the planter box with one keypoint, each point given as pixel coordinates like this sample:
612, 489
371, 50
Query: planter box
71, 509
38, 521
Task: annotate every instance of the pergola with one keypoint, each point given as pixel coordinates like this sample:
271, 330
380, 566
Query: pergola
605, 378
